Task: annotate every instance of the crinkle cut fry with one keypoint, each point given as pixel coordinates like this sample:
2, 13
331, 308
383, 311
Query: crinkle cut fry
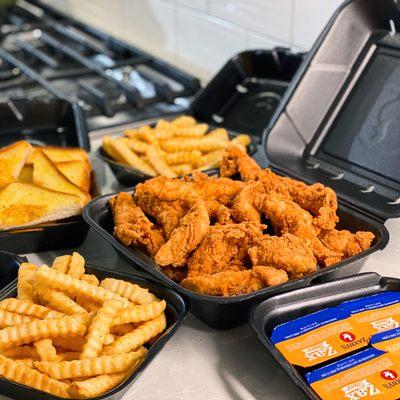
70, 285
12, 319
46, 350
139, 313
41, 329
98, 385
27, 308
138, 337
99, 328
107, 364
58, 300
61, 263
16, 372
24, 287
130, 291
76, 265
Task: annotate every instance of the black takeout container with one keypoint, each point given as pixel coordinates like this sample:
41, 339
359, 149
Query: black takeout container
129, 176
228, 312
9, 269
45, 122
245, 93
277, 310
336, 125
175, 312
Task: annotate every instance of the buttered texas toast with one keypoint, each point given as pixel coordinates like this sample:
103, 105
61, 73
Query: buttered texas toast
78, 172
24, 204
12, 160
46, 174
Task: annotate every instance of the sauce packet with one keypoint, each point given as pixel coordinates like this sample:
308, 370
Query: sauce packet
319, 337
376, 313
367, 374
388, 341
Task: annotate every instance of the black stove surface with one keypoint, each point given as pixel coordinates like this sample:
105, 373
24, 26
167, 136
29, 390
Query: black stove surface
44, 54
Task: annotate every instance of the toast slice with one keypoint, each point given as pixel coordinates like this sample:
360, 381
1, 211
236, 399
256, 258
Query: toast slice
25, 204
46, 174
26, 174
78, 172
63, 154
12, 160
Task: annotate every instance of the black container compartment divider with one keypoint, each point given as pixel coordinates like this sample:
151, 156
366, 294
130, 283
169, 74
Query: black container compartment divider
265, 316
176, 312
129, 176
228, 312
246, 92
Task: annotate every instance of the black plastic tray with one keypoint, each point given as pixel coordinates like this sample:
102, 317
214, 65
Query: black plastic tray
246, 92
265, 316
128, 176
227, 312
9, 263
49, 122
176, 312
57, 235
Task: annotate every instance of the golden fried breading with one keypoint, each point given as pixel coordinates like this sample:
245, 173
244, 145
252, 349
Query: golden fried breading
286, 216
346, 242
232, 283
224, 247
132, 227
185, 238
287, 252
235, 161
317, 199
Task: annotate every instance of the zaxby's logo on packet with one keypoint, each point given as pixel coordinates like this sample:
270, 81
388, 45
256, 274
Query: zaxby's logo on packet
377, 313
360, 390
367, 374
318, 337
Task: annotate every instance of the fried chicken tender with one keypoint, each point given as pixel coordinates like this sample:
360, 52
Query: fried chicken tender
224, 247
317, 199
346, 242
235, 161
168, 214
132, 227
288, 217
287, 252
185, 238
232, 283
201, 186
243, 207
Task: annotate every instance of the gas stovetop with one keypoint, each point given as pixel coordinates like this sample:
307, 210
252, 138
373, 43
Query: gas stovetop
44, 53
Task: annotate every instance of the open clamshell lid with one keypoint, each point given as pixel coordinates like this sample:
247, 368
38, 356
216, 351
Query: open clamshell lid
339, 122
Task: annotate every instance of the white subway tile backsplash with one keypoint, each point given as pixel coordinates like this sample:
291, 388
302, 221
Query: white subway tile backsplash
201, 35
205, 43
310, 17
268, 17
150, 25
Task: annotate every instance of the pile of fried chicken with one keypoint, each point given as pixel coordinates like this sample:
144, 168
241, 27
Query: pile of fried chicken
226, 237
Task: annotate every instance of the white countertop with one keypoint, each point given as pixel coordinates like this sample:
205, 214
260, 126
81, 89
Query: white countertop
201, 363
